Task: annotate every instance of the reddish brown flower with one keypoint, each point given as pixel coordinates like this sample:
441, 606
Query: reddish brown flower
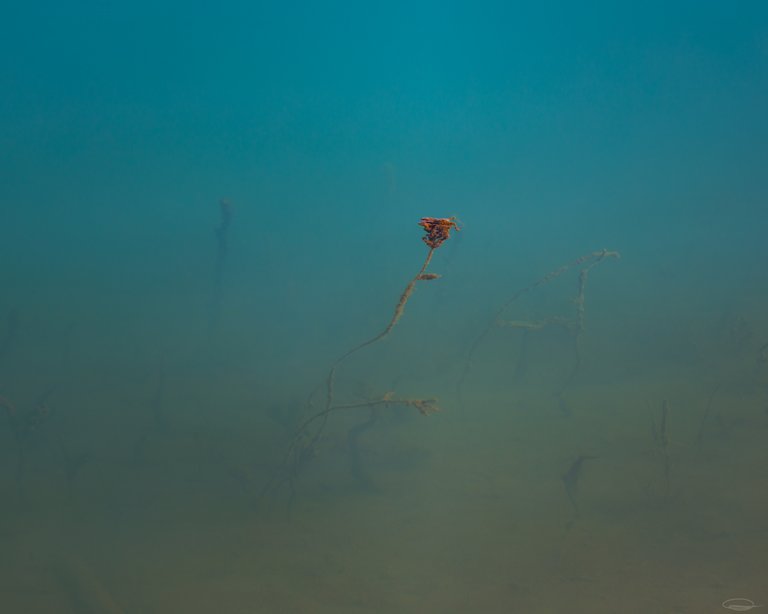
438, 229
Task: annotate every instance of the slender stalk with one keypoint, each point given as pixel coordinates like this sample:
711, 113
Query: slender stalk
302, 445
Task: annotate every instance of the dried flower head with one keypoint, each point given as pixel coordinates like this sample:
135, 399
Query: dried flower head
438, 229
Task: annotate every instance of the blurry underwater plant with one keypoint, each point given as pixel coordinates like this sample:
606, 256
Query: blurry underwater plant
303, 443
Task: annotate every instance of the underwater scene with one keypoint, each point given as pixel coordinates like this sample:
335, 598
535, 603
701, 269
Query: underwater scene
348, 307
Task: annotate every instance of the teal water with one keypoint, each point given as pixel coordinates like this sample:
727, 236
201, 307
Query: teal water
203, 209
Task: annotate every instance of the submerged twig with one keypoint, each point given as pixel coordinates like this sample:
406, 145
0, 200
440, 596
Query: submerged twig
706, 415
10, 334
353, 450
222, 250
574, 324
24, 424
571, 480
659, 433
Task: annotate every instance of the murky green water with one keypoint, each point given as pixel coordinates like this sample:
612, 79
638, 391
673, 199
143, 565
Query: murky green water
204, 209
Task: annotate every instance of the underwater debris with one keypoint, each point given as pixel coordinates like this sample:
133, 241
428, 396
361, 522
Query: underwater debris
25, 425
574, 324
356, 467
222, 250
659, 434
762, 354
706, 415
571, 479
10, 335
